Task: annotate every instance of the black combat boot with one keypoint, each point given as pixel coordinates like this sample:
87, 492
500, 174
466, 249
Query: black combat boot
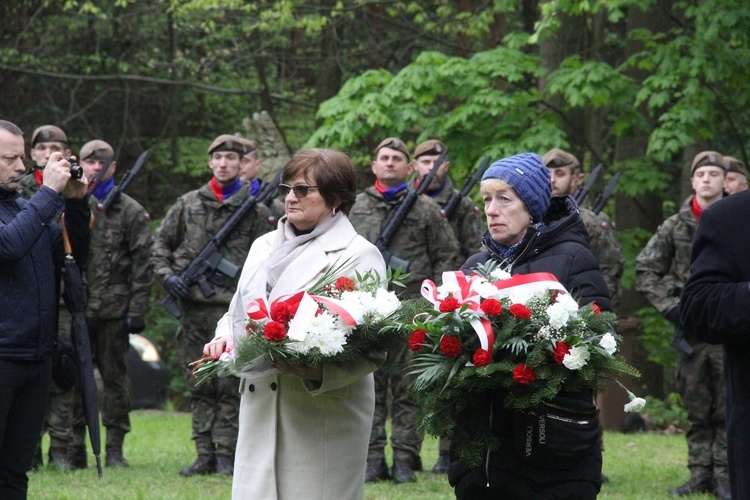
377, 470
77, 457
38, 460
58, 458
224, 464
698, 483
722, 488
403, 471
442, 464
205, 464
115, 458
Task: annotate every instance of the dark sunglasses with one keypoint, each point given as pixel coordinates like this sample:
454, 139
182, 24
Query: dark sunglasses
300, 190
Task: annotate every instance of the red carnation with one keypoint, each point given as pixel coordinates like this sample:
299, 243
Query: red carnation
274, 331
450, 346
344, 284
524, 374
520, 311
280, 312
481, 357
449, 305
416, 340
595, 308
559, 351
491, 307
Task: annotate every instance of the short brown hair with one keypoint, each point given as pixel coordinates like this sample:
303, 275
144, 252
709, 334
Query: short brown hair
333, 171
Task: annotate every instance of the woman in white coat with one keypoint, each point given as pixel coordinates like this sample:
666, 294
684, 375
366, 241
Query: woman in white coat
303, 430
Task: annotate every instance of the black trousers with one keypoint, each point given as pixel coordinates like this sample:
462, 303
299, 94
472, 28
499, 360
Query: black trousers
24, 387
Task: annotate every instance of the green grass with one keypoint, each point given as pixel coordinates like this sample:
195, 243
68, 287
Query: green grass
639, 466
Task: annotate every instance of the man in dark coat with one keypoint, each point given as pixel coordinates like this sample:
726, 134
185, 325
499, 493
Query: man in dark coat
31, 257
715, 308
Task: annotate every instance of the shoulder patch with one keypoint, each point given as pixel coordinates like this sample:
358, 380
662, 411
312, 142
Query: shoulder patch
147, 216
604, 224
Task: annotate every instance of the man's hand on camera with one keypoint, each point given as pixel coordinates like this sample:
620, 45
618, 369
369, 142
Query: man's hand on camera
57, 177
56, 173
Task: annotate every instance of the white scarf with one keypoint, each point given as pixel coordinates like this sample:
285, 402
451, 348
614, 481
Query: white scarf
289, 245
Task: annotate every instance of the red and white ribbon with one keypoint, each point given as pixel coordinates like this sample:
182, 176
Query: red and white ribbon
464, 290
528, 284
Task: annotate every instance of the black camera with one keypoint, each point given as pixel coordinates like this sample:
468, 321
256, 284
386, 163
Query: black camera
76, 171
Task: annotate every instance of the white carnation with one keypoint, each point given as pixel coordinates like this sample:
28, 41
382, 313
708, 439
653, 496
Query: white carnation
559, 315
500, 274
323, 334
569, 303
635, 405
447, 289
576, 358
522, 296
608, 343
485, 289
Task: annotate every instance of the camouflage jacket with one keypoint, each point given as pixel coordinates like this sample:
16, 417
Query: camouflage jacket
465, 221
606, 248
118, 275
664, 264
193, 219
425, 239
28, 186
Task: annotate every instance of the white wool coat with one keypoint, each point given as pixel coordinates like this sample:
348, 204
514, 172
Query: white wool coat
298, 440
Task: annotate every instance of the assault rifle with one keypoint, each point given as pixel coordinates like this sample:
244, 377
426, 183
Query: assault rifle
399, 215
114, 193
469, 183
603, 198
209, 260
584, 190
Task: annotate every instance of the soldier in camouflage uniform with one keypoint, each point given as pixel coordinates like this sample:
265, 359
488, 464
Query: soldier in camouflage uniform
118, 284
426, 240
194, 218
46, 140
250, 165
466, 225
661, 270
567, 176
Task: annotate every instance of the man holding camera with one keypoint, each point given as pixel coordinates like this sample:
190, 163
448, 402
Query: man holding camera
45, 140
118, 282
31, 259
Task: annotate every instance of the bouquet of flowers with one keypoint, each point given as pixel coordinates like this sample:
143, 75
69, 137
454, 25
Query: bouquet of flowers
523, 335
344, 316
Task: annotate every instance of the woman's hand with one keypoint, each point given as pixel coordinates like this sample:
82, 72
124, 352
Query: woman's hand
218, 346
307, 372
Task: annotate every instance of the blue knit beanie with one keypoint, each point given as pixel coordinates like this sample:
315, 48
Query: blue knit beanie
528, 177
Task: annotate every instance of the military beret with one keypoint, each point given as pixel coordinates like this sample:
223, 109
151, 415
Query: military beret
734, 165
558, 158
48, 133
227, 142
249, 144
705, 158
394, 143
97, 149
431, 147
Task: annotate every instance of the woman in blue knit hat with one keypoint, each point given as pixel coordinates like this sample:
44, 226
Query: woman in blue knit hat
532, 233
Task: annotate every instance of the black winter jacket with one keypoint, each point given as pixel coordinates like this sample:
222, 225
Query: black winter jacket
561, 249
31, 257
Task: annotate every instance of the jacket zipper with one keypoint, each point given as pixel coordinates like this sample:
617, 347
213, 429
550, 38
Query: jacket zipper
567, 420
487, 458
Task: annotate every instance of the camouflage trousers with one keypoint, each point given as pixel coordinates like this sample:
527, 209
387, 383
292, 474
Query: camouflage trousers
700, 382
60, 404
109, 344
406, 440
215, 403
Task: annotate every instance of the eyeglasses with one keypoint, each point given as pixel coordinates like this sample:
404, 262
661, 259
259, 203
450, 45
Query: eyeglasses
300, 190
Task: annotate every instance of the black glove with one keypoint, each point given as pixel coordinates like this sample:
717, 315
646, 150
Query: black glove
131, 324
64, 367
674, 317
177, 287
